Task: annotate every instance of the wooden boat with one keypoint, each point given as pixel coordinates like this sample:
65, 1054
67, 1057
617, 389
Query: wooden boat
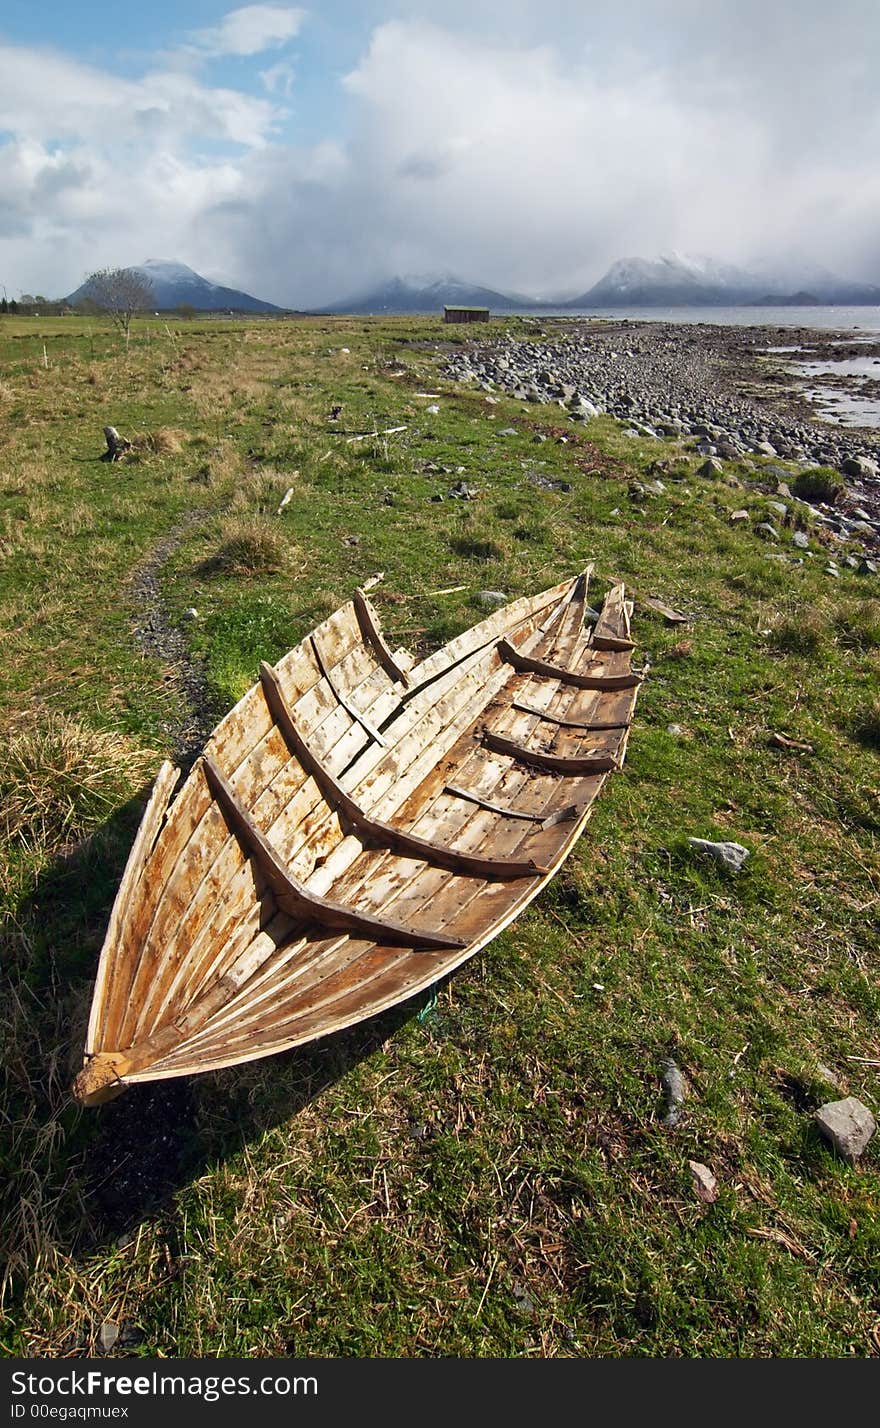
357, 826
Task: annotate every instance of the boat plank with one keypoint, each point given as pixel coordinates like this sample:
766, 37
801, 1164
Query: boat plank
118, 940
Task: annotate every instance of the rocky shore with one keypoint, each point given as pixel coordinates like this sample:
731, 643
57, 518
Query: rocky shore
722, 390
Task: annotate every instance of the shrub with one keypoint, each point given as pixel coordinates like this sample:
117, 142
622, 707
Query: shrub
249, 546
471, 549
818, 484
166, 441
858, 626
60, 780
866, 725
801, 634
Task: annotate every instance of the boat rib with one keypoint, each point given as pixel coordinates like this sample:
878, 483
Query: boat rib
373, 830
295, 899
359, 825
527, 664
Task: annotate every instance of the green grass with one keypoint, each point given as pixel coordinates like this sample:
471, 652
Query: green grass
490, 1177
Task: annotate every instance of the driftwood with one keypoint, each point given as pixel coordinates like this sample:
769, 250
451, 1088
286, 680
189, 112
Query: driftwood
116, 444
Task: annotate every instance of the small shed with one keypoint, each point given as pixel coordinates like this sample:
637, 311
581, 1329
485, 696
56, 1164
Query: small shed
465, 314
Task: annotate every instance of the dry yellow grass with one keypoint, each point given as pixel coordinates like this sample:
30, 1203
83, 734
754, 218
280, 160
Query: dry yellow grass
248, 546
167, 441
59, 779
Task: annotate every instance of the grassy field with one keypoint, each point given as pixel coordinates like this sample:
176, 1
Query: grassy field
484, 1172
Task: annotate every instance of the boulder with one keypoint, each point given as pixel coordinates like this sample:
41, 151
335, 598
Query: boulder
859, 466
847, 1125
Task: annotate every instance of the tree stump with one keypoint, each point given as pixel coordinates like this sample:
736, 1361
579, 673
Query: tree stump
116, 444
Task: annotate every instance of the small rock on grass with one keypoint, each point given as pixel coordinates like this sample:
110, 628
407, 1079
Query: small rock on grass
109, 1334
830, 1077
848, 1125
738, 518
732, 856
675, 1091
705, 1182
492, 597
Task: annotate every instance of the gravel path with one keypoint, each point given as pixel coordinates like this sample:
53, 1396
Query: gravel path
164, 641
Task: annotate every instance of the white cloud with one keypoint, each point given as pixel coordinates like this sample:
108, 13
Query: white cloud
524, 166
251, 30
50, 98
279, 78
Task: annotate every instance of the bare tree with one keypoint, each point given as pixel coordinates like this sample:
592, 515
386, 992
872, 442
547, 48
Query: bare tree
119, 293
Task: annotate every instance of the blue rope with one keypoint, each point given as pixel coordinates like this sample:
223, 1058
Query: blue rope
429, 1007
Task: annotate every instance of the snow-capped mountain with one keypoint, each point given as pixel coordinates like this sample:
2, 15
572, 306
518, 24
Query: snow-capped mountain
677, 279
427, 294
175, 285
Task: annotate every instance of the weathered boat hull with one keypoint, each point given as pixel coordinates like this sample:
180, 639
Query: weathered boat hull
358, 826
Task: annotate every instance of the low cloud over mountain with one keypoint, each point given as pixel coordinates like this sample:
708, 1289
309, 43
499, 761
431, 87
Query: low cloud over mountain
307, 156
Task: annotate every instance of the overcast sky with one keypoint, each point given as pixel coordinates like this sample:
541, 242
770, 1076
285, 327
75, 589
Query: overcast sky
303, 154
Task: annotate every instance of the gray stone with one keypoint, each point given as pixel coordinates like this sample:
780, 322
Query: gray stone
801, 540
778, 509
109, 1334
830, 1077
674, 1089
508, 431
765, 448
859, 466
738, 518
676, 731
191, 614
867, 567
848, 1125
711, 467
492, 597
732, 856
832, 570
766, 531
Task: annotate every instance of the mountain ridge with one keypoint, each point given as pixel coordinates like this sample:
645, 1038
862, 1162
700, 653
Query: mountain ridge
175, 285
425, 294
675, 279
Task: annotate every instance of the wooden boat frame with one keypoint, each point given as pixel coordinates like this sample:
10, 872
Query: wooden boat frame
357, 827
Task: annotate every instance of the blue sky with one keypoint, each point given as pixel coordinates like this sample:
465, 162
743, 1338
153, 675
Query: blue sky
305, 152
